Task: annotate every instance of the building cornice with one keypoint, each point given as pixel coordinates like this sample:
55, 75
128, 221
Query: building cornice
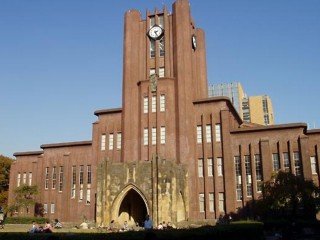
270, 127
66, 144
29, 153
313, 131
108, 111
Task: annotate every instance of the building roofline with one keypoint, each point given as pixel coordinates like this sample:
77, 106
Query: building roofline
219, 99
29, 153
313, 131
66, 144
270, 127
107, 111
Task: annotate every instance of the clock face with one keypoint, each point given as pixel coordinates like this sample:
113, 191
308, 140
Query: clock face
155, 32
194, 42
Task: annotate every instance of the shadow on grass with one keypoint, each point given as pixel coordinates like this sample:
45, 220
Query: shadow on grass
239, 231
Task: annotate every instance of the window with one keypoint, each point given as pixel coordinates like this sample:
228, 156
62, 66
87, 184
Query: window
46, 181
73, 182
221, 202
160, 19
220, 166
52, 208
162, 103
210, 167
208, 133
154, 136
18, 179
200, 167
45, 208
103, 142
286, 162
119, 140
152, 21
154, 104
297, 163
199, 134
152, 71
276, 162
54, 178
24, 178
218, 132
237, 163
161, 72
163, 135
30, 178
88, 198
313, 165
111, 141
201, 202
81, 183
211, 202
161, 48
145, 136
259, 179
60, 179
247, 162
89, 174
152, 48
145, 104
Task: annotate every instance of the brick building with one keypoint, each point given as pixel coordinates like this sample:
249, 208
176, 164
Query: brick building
170, 151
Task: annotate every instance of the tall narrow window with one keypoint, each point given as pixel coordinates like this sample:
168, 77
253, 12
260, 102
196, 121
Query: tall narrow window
152, 48
145, 104
218, 132
54, 177
199, 134
152, 21
145, 136
30, 178
111, 141
247, 162
103, 142
276, 162
201, 202
237, 163
154, 136
313, 165
211, 202
89, 174
297, 163
60, 179
24, 178
46, 181
88, 196
160, 21
162, 103
259, 179
210, 167
200, 167
45, 208
119, 140
221, 202
286, 162
53, 208
73, 181
152, 71
162, 47
163, 135
208, 133
154, 104
81, 183
220, 166
18, 180
161, 72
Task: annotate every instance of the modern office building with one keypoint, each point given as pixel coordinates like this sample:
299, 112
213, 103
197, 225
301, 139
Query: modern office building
254, 109
170, 151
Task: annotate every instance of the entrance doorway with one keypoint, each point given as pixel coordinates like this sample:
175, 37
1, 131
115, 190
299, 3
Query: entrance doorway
132, 209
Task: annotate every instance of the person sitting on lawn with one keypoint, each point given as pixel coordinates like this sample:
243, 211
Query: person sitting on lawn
57, 224
34, 228
47, 228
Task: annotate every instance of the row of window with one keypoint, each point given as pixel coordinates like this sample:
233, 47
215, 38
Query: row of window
111, 141
209, 133
202, 207
24, 179
286, 162
81, 183
160, 72
154, 103
154, 136
210, 167
54, 178
51, 210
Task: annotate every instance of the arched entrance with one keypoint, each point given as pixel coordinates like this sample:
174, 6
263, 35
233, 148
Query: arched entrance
132, 208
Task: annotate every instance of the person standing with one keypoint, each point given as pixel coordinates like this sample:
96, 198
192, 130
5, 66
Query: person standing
148, 223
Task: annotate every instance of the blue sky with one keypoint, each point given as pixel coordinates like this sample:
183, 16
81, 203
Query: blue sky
62, 60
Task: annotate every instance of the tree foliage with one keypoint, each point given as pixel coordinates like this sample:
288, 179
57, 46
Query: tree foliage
24, 197
5, 164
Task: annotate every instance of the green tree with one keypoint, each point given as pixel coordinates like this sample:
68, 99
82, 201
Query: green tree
5, 164
24, 198
289, 196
